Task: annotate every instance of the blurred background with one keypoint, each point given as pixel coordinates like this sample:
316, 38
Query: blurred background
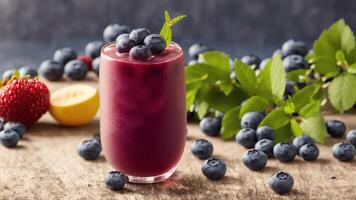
32, 30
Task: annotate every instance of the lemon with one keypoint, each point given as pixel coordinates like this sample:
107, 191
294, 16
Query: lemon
74, 105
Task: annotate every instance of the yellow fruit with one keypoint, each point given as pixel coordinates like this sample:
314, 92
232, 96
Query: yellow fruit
74, 105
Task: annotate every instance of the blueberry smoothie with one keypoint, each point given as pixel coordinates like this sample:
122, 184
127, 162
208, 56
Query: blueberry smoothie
143, 116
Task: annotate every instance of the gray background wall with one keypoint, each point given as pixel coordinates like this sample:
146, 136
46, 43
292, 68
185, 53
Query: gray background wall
32, 29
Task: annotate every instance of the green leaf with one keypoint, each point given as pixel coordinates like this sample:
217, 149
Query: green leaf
246, 77
289, 107
303, 96
166, 33
202, 109
167, 17
202, 71
295, 74
177, 19
314, 127
327, 66
223, 103
295, 128
335, 33
352, 68
347, 40
230, 123
310, 109
283, 134
216, 58
341, 93
254, 104
276, 119
191, 92
340, 58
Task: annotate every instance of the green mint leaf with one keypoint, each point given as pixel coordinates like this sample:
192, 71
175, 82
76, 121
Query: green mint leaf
177, 19
254, 104
191, 92
310, 109
230, 123
352, 68
327, 66
340, 92
246, 77
216, 58
314, 127
276, 119
347, 40
202, 109
289, 108
304, 96
223, 103
341, 59
204, 71
167, 17
334, 33
295, 75
283, 134
295, 128
272, 79
166, 31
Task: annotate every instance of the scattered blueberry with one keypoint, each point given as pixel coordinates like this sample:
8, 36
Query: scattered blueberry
302, 140
9, 138
16, 126
214, 169
284, 152
309, 152
64, 55
265, 132
251, 59
113, 30
344, 151
115, 180
210, 126
96, 65
51, 70
124, 35
28, 71
197, 49
251, 120
266, 146
264, 63
254, 159
155, 43
292, 47
335, 128
93, 48
246, 137
351, 137
76, 70
140, 52
294, 62
202, 149
8, 74
124, 45
281, 182
139, 35
289, 89
2, 123
89, 149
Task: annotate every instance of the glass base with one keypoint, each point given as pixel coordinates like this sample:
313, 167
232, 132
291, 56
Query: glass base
151, 179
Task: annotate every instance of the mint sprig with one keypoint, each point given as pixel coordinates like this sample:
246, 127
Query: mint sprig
166, 31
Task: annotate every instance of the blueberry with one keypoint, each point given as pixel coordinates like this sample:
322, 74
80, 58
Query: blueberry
64, 55
115, 180
281, 182
344, 151
93, 48
265, 132
299, 141
96, 65
9, 138
335, 128
76, 70
202, 149
123, 45
251, 59
254, 159
197, 49
155, 43
140, 52
124, 35
289, 89
214, 169
351, 137
264, 63
251, 120
210, 126
113, 30
266, 146
294, 62
246, 137
16, 126
292, 47
51, 70
2, 123
309, 152
139, 35
284, 152
8, 74
89, 149
28, 71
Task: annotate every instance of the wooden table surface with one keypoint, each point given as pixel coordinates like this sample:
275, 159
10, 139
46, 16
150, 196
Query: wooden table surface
46, 166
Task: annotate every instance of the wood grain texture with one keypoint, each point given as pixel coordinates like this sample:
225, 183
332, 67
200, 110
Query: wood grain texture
45, 165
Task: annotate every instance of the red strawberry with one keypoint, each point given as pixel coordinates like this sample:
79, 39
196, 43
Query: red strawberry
23, 100
86, 60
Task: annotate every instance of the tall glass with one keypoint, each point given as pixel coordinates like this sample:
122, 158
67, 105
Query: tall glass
142, 113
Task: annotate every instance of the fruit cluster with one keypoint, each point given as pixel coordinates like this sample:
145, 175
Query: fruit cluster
22, 72
11, 133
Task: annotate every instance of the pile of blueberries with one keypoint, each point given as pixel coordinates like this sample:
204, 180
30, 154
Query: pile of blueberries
23, 71
260, 142
11, 133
